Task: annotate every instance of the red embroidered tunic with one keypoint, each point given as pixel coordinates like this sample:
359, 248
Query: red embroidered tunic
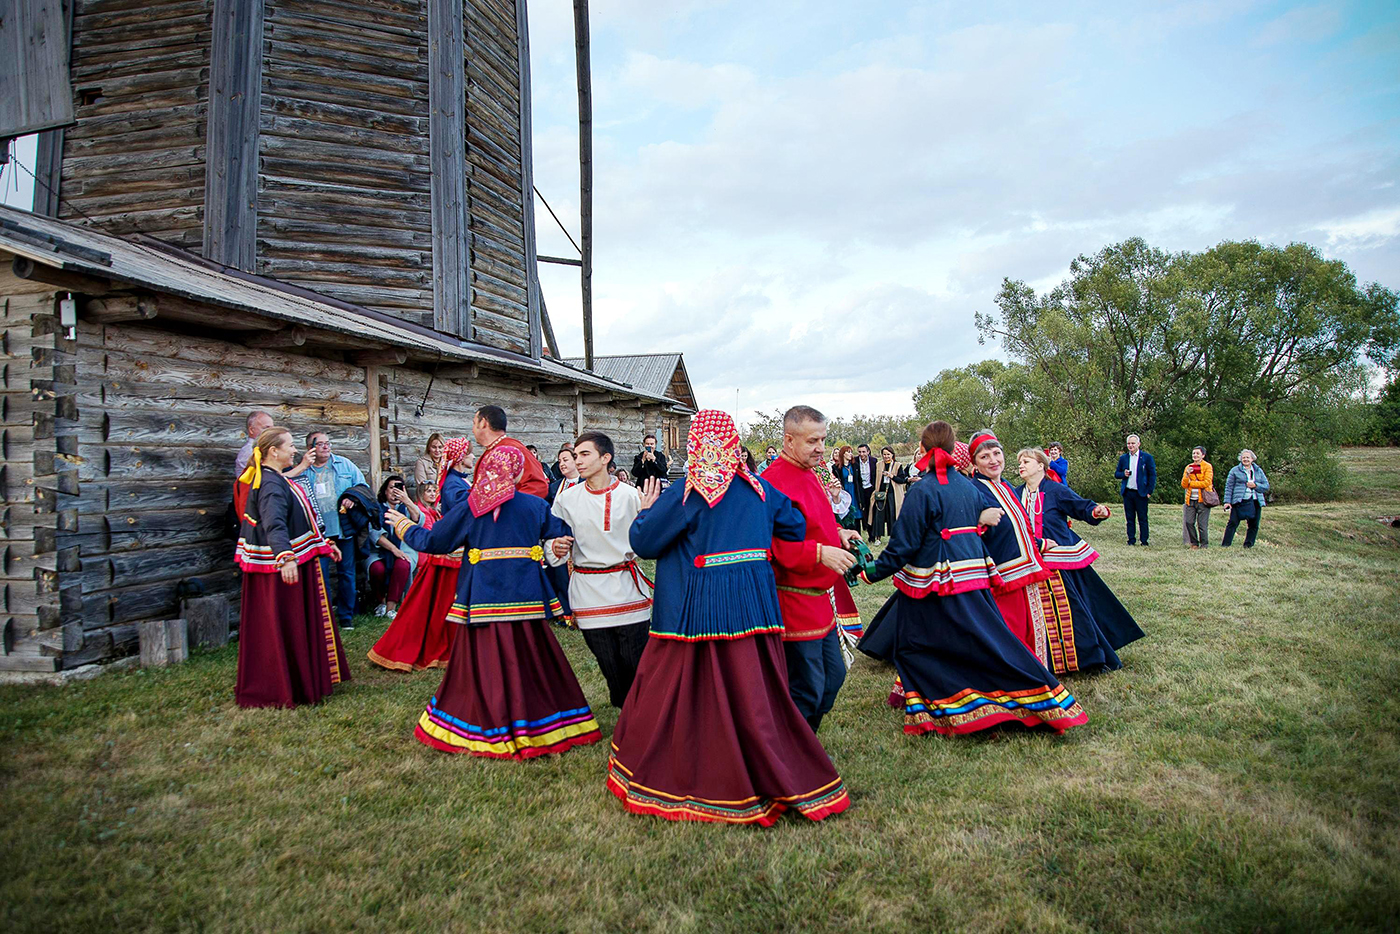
804, 583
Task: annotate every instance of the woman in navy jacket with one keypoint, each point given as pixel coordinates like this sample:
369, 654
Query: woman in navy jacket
961, 668
508, 691
1084, 622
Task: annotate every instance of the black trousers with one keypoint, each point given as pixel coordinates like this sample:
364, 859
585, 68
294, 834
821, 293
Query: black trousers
1135, 510
1248, 513
863, 504
618, 649
816, 672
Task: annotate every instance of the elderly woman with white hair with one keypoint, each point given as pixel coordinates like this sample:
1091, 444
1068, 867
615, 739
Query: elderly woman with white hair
1245, 489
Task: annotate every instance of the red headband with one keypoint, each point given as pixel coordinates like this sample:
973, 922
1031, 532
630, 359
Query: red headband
978, 440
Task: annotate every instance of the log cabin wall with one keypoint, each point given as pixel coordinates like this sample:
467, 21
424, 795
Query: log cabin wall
134, 161
535, 417
499, 188
344, 175
36, 476
160, 418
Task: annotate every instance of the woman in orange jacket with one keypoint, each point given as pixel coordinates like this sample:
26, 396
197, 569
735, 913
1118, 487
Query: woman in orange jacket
1197, 479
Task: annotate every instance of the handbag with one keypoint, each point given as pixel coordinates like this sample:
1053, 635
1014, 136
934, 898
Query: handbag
1210, 497
880, 497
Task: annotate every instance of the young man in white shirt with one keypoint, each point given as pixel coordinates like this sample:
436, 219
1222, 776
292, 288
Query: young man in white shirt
609, 594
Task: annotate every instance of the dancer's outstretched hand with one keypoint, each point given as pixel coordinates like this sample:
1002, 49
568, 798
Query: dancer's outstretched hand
651, 489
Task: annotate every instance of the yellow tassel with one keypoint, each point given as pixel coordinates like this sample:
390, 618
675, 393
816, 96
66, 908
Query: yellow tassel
253, 474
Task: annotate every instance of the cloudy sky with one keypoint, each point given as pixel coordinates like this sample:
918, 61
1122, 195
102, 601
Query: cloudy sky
811, 199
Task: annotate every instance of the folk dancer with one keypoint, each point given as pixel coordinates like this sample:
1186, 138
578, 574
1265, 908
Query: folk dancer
489, 429
289, 650
961, 669
508, 691
709, 732
609, 593
809, 572
420, 635
1013, 545
1085, 622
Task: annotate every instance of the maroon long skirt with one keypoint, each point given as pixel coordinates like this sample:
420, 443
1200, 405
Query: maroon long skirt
508, 693
420, 635
710, 733
289, 650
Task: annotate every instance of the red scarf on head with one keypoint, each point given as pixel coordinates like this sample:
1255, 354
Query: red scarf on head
714, 457
452, 451
495, 479
942, 460
962, 456
977, 441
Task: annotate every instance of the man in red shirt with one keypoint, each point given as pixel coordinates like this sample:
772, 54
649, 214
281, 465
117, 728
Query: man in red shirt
808, 570
489, 429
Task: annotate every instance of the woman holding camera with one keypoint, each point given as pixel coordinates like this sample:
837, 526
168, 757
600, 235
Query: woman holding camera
1198, 480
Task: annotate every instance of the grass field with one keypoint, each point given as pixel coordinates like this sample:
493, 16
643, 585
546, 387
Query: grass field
1241, 773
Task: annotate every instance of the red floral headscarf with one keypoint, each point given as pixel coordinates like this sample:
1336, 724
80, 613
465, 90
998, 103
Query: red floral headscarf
500, 467
714, 456
452, 451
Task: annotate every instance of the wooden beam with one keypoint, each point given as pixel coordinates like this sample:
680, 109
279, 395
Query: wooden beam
447, 140
376, 466
25, 268
394, 356
231, 153
567, 389
114, 308
585, 171
224, 319
465, 371
548, 328
48, 169
534, 297
294, 336
598, 398
560, 260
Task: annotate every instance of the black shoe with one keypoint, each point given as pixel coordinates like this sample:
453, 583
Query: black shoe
1131, 544
1144, 544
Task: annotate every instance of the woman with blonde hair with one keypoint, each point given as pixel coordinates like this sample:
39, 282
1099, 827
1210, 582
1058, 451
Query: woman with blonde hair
428, 468
1085, 624
289, 650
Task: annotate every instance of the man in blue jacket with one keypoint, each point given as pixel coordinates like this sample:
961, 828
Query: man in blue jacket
1138, 471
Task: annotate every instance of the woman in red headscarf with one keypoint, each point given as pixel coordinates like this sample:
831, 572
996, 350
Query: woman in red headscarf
709, 731
960, 669
508, 692
420, 636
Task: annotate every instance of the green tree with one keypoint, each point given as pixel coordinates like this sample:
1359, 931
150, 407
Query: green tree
1241, 345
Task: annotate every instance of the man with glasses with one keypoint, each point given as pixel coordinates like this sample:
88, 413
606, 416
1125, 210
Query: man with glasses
331, 475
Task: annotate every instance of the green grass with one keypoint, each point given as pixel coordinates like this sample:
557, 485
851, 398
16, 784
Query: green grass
1239, 774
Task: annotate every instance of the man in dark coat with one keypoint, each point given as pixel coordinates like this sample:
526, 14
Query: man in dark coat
648, 463
1138, 473
864, 470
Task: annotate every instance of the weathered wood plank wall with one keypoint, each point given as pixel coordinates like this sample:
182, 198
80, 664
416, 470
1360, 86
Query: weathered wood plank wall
160, 418
345, 176
496, 182
135, 159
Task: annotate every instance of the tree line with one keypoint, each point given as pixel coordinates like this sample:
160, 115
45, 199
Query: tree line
1277, 349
